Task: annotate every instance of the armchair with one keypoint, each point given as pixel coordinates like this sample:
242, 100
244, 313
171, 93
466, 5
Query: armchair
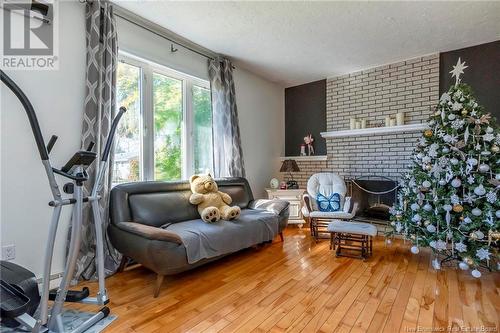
326, 184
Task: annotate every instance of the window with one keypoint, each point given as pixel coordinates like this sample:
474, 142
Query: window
166, 133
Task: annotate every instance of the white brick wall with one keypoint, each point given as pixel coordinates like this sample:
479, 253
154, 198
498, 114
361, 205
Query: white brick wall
411, 86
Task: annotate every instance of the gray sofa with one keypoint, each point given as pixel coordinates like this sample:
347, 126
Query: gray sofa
154, 224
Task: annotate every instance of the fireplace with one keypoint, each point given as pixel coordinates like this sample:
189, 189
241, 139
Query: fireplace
374, 195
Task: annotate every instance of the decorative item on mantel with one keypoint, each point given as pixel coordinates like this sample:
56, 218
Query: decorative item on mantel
303, 150
357, 124
290, 166
309, 144
399, 120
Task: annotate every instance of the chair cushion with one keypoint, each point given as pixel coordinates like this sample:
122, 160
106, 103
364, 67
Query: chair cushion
331, 215
328, 204
326, 184
357, 228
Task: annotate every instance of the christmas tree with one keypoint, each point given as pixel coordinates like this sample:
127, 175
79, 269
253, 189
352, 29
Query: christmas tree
449, 200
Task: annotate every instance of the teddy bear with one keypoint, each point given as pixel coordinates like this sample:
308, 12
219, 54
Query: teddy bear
213, 205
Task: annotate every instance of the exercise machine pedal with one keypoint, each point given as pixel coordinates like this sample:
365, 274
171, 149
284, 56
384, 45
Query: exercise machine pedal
14, 302
73, 296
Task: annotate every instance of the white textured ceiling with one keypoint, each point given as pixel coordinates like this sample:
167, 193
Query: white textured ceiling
297, 42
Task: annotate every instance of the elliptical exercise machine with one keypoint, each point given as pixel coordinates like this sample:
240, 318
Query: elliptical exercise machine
19, 290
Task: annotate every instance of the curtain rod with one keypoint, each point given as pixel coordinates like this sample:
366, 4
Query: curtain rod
163, 36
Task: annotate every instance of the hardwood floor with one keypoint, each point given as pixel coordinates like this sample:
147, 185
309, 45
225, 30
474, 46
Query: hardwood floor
299, 286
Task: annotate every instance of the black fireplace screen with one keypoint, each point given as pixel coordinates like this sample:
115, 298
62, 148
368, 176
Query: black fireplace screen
374, 195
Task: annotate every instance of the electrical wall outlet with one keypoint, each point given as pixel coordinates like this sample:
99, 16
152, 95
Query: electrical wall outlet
9, 252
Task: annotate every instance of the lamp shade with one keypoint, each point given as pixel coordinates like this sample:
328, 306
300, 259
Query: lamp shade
289, 166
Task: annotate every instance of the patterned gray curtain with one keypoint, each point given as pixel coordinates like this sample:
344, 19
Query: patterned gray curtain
228, 155
100, 106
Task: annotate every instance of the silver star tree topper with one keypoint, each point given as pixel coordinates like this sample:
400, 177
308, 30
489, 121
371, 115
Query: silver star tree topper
457, 70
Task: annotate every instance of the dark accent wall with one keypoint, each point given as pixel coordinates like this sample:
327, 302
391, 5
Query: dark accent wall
305, 112
483, 73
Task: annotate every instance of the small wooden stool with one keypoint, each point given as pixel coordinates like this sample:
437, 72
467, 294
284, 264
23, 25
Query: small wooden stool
354, 236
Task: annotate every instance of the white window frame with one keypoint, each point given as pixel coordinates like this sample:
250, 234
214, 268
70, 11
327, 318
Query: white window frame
147, 68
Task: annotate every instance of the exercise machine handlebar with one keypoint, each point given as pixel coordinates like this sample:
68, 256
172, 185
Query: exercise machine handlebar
35, 127
51, 143
111, 134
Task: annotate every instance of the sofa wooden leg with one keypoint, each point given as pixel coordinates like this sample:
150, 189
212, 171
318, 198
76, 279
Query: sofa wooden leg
123, 264
159, 282
281, 237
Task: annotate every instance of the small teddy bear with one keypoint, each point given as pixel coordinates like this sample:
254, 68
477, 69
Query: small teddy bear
213, 205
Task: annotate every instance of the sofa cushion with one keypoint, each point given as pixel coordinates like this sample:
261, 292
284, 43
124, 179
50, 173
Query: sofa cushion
275, 206
207, 240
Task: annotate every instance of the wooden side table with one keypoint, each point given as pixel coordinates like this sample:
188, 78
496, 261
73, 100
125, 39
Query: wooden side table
294, 197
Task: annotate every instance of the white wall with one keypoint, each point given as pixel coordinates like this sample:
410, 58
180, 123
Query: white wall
261, 112
58, 98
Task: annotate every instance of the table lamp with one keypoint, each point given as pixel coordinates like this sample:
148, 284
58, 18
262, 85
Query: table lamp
290, 166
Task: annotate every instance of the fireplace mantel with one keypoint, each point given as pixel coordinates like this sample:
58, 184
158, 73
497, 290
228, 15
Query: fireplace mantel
374, 131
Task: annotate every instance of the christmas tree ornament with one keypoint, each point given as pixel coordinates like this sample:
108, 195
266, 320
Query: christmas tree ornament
478, 234
494, 235
489, 130
416, 218
456, 182
497, 176
475, 273
451, 116
426, 184
427, 207
468, 261
497, 214
467, 220
454, 161
463, 266
428, 133
436, 264
414, 249
464, 112
460, 247
476, 211
447, 207
457, 70
414, 206
483, 254
495, 149
427, 222
458, 208
428, 167
431, 228
491, 197
483, 168
445, 150
480, 190
442, 182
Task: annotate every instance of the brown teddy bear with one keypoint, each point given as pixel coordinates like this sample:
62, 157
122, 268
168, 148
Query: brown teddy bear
212, 204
